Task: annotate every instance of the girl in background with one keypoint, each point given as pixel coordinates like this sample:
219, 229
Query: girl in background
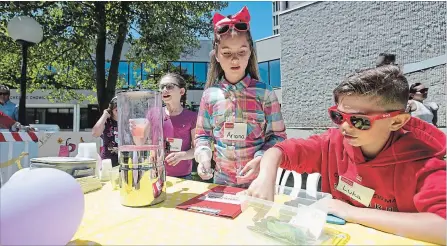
178, 127
107, 128
238, 113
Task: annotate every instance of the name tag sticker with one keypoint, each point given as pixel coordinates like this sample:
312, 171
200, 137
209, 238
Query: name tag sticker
175, 144
235, 131
355, 191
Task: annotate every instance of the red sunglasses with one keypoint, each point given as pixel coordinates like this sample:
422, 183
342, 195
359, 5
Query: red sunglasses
361, 122
223, 28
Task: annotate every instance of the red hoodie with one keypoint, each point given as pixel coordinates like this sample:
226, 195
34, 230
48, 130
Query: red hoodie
408, 175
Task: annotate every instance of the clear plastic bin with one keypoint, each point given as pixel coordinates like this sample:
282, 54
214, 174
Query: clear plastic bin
297, 217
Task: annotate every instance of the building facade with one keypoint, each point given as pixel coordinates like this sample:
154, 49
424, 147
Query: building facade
281, 6
323, 42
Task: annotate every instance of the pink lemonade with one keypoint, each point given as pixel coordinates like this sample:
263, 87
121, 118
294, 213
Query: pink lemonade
138, 130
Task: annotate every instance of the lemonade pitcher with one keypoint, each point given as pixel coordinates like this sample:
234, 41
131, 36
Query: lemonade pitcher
141, 148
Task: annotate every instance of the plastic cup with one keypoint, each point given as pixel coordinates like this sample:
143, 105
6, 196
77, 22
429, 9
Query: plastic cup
114, 174
140, 125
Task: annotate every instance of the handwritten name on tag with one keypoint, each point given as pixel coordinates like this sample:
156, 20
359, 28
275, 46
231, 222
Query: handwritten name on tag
235, 131
175, 144
355, 191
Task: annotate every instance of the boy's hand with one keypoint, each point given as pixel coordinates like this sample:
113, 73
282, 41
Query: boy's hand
341, 209
262, 188
249, 172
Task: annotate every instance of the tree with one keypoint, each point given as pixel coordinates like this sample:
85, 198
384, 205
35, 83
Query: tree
73, 52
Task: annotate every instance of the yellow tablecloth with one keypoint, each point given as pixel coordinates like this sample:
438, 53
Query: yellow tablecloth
107, 222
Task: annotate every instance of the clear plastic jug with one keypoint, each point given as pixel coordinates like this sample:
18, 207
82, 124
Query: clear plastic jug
141, 148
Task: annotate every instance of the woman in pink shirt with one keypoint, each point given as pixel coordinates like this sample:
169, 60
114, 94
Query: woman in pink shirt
178, 127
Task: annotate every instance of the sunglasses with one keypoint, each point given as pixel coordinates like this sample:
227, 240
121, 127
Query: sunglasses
361, 122
168, 87
422, 91
4, 93
225, 27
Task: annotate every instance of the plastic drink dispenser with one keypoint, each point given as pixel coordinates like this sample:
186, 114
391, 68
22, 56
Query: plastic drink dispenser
141, 148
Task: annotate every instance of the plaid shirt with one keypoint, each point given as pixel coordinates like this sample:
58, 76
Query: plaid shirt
248, 101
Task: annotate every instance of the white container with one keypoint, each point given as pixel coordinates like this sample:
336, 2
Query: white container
75, 166
296, 217
105, 170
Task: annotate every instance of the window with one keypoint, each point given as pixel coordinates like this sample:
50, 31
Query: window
123, 72
275, 73
274, 7
175, 67
270, 72
287, 4
278, 6
135, 74
274, 24
84, 119
264, 72
200, 72
63, 117
188, 68
277, 22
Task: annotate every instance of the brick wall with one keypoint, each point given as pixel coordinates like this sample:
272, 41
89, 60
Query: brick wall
325, 41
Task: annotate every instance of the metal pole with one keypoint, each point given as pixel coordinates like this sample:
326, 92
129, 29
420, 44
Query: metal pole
22, 102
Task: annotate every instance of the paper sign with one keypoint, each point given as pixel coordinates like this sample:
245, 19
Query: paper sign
355, 191
175, 144
221, 197
235, 131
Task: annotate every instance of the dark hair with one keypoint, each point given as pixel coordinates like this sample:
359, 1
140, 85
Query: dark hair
388, 59
112, 105
385, 82
4, 88
413, 89
180, 81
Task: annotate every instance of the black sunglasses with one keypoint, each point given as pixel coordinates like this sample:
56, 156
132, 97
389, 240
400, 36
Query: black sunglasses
240, 26
425, 90
4, 93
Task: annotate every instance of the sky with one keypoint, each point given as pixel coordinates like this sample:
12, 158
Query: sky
261, 16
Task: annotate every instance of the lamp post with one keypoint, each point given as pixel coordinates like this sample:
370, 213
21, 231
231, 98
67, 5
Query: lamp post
25, 31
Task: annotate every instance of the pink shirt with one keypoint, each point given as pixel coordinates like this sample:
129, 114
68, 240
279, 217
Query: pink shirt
180, 126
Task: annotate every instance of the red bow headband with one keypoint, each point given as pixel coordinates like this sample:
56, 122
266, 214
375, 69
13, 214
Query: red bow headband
242, 16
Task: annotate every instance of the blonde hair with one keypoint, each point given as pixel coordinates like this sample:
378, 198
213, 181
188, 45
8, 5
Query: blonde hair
215, 71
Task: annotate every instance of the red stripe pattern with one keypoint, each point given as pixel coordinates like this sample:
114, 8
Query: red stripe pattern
17, 136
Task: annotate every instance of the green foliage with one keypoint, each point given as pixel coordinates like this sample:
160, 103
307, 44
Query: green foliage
76, 35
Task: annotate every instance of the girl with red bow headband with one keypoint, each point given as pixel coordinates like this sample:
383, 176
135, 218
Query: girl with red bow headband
238, 114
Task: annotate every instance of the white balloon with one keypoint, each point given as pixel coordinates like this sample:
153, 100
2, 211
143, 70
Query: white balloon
42, 206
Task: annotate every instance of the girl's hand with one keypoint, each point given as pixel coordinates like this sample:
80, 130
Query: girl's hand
249, 172
106, 113
204, 170
175, 157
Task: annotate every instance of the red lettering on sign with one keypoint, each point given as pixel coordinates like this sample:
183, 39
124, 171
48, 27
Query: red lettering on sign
229, 125
347, 181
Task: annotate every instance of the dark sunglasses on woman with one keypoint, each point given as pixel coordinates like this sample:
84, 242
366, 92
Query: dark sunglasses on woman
168, 87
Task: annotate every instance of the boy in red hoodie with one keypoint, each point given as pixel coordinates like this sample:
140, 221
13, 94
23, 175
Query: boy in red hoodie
384, 168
